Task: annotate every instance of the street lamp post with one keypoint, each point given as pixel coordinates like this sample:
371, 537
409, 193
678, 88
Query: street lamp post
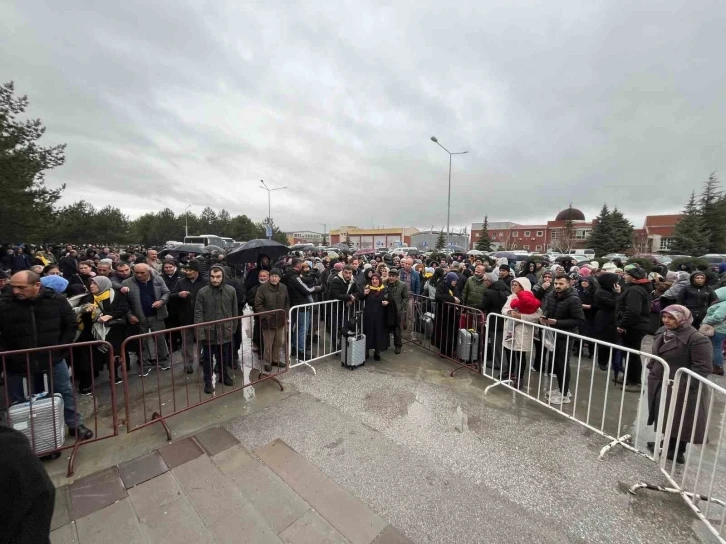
269, 205
448, 205
186, 222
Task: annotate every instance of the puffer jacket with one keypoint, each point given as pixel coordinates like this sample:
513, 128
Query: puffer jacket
495, 297
566, 308
272, 297
716, 314
697, 299
214, 303
47, 320
473, 292
632, 311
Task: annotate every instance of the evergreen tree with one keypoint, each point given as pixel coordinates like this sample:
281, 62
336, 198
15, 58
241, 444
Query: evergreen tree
601, 235
484, 243
622, 232
347, 240
689, 236
441, 241
711, 205
26, 204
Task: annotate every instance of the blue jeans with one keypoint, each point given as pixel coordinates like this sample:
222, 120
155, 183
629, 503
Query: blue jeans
223, 355
301, 328
61, 384
717, 341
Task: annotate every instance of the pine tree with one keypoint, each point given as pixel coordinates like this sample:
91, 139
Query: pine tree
485, 242
711, 204
622, 232
601, 235
347, 240
441, 241
689, 236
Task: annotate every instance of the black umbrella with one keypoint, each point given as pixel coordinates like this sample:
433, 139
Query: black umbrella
301, 247
189, 248
251, 251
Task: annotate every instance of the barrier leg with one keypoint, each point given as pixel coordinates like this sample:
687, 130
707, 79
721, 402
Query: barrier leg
72, 459
622, 440
156, 416
673, 490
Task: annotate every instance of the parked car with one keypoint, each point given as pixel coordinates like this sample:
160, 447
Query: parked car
713, 258
612, 256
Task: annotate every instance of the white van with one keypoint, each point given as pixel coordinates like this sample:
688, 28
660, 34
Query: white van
206, 239
587, 252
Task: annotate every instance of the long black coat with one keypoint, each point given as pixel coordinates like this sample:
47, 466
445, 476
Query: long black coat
689, 349
375, 325
447, 318
603, 325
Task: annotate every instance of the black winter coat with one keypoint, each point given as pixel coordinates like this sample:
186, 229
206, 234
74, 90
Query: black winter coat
697, 299
339, 289
495, 297
297, 290
604, 323
185, 306
47, 320
632, 311
566, 308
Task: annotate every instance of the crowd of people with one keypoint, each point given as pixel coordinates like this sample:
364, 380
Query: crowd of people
64, 295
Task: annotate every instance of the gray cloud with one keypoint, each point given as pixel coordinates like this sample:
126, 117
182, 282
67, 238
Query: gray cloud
172, 103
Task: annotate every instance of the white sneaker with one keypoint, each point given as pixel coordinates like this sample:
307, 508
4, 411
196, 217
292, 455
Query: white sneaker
557, 398
557, 392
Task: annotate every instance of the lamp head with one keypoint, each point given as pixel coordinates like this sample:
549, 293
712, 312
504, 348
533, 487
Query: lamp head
433, 139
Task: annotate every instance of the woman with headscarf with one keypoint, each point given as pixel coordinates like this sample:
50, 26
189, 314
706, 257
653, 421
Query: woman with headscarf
544, 285
586, 291
519, 337
375, 322
530, 272
429, 288
680, 345
101, 315
447, 314
603, 324
82, 278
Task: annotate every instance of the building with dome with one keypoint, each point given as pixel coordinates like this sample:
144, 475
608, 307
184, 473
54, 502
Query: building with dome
655, 236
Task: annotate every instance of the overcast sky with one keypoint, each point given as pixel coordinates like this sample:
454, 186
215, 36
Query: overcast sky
170, 103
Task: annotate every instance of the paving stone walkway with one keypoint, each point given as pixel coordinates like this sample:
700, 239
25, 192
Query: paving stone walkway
209, 489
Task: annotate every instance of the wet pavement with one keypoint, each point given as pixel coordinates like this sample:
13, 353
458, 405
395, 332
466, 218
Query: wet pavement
445, 463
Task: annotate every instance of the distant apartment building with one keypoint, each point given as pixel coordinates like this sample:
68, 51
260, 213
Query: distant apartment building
425, 240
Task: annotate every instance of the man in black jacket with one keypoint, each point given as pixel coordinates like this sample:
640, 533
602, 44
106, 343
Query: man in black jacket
299, 294
697, 297
493, 300
185, 294
632, 317
343, 289
562, 310
36, 317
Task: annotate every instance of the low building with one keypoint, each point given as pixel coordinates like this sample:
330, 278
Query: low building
655, 236
381, 238
304, 237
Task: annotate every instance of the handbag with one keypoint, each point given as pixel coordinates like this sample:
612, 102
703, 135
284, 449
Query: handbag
656, 306
706, 330
549, 339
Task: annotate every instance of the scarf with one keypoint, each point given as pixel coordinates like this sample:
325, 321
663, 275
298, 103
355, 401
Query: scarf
377, 289
683, 316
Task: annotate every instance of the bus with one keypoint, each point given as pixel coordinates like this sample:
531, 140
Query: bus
206, 240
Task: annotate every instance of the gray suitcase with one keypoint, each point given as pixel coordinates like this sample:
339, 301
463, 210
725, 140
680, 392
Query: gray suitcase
40, 419
467, 345
353, 345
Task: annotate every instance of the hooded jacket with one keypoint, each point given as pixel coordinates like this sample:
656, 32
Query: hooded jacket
214, 303
297, 289
253, 275
632, 311
518, 336
46, 320
716, 314
682, 281
697, 299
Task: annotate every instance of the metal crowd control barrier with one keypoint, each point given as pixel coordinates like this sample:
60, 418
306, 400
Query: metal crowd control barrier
320, 322
454, 331
172, 381
60, 371
695, 429
593, 400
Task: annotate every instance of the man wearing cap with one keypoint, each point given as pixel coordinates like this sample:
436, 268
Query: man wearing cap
632, 318
505, 275
271, 296
185, 293
399, 293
